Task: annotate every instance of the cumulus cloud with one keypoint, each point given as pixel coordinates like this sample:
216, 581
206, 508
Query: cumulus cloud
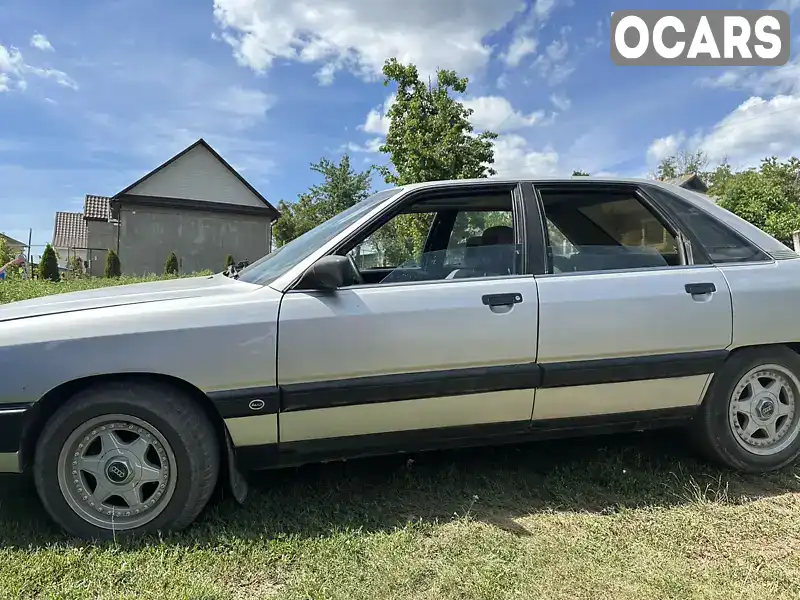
524, 40
515, 158
495, 113
358, 35
14, 71
40, 42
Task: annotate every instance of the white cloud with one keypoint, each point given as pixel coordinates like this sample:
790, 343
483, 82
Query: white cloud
377, 119
664, 147
524, 40
39, 41
560, 101
371, 147
358, 35
495, 113
514, 158
520, 47
554, 64
756, 129
775, 80
246, 103
14, 71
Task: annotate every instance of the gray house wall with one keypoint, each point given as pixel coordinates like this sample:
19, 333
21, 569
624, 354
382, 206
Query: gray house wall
101, 236
201, 239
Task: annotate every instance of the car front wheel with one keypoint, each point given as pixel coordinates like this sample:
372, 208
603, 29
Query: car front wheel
126, 458
750, 419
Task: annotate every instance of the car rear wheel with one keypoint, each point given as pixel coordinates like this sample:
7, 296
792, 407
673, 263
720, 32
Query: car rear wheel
750, 419
126, 458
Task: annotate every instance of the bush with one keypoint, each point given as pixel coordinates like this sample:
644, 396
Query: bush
113, 268
48, 266
171, 266
229, 261
75, 266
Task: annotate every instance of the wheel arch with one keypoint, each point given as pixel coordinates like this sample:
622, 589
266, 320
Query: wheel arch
61, 394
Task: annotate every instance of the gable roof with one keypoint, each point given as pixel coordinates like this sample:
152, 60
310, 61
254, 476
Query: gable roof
690, 181
69, 231
96, 207
12, 242
204, 144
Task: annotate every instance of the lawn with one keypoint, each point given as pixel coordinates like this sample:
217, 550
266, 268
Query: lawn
633, 516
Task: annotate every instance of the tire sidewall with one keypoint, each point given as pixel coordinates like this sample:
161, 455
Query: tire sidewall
63, 424
718, 428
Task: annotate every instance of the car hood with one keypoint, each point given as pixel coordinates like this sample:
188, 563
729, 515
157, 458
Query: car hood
137, 293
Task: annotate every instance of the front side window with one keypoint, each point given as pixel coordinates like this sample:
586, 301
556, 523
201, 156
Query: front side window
464, 238
605, 230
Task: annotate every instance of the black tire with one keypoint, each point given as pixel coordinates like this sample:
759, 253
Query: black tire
711, 429
177, 417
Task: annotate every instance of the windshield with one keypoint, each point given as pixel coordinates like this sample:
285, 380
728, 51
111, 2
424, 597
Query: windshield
274, 264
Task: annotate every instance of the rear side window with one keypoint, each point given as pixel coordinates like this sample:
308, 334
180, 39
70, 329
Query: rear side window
605, 230
722, 244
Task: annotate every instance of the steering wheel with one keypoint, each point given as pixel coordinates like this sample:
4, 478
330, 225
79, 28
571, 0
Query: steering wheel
357, 276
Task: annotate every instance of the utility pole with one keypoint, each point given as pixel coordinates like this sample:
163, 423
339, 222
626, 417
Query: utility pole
28, 270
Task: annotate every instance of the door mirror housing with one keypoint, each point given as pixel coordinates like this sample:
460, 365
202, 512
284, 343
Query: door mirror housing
327, 274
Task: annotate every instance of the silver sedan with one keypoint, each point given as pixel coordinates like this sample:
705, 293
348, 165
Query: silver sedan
434, 315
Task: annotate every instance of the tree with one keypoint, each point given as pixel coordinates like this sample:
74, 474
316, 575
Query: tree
430, 135
48, 265
580, 174
683, 163
430, 138
229, 261
341, 188
171, 265
6, 252
767, 196
113, 267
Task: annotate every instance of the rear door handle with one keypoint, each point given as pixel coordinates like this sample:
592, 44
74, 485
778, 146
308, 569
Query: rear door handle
502, 299
700, 288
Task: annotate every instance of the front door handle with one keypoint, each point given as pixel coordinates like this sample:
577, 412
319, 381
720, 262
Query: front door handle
700, 288
502, 299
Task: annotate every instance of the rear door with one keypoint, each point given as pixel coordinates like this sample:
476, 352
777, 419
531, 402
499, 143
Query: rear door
408, 361
629, 321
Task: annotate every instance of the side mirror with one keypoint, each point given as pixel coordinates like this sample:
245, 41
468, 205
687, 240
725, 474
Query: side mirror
327, 274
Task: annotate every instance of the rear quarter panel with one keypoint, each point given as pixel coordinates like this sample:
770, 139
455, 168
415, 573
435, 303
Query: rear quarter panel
766, 302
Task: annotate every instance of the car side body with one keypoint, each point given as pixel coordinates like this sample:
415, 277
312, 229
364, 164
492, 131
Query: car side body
288, 374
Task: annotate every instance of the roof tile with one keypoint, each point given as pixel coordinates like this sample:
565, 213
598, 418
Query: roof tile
96, 207
70, 230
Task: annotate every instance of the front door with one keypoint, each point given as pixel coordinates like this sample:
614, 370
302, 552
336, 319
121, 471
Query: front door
627, 322
445, 349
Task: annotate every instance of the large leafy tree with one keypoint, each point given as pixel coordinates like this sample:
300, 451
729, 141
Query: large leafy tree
430, 138
341, 188
767, 196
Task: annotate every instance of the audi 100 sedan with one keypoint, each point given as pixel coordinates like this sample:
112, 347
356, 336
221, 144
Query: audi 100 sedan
433, 315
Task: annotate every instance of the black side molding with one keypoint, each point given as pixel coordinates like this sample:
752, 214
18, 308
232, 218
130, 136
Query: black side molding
410, 386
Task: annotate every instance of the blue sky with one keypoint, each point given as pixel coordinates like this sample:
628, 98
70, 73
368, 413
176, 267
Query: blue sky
95, 93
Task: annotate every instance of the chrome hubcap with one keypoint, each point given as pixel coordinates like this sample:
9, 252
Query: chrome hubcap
117, 472
763, 410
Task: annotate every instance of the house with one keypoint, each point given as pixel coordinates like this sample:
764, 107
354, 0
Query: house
14, 245
69, 238
195, 204
690, 181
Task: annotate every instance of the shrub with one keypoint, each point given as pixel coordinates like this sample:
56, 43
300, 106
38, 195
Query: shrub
113, 268
75, 266
48, 266
171, 266
229, 261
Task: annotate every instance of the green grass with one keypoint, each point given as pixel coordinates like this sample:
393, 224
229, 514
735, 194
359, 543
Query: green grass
623, 517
